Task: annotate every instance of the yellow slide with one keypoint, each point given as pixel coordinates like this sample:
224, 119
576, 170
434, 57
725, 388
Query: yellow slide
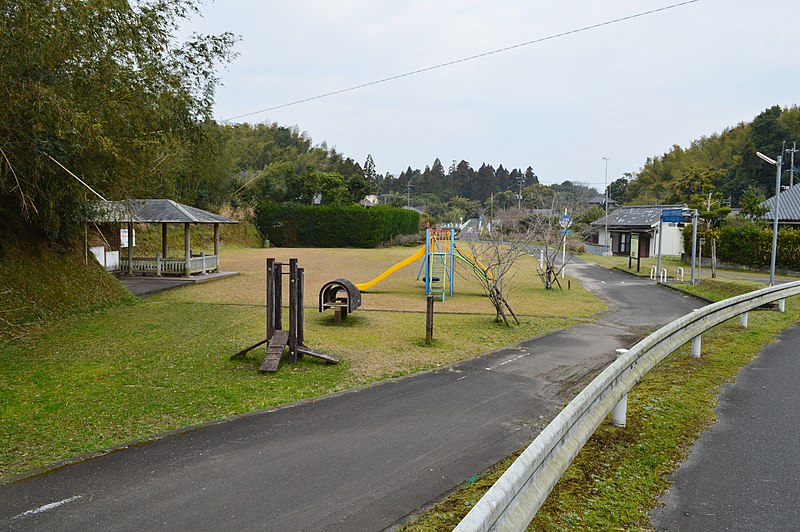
470, 259
420, 253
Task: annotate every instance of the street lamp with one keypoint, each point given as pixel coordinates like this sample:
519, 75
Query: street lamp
606, 202
775, 212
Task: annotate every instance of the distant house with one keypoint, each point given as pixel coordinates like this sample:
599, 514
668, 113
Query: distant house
788, 207
370, 200
641, 221
600, 201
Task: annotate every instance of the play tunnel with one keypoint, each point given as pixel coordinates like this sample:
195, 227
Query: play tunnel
340, 295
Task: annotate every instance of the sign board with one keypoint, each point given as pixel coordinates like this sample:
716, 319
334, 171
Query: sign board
565, 232
123, 238
634, 246
566, 221
672, 215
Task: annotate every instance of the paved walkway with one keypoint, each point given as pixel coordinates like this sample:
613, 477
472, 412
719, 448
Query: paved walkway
142, 285
743, 473
360, 460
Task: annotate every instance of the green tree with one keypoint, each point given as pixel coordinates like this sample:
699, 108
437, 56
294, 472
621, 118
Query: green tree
752, 203
370, 175
104, 89
618, 189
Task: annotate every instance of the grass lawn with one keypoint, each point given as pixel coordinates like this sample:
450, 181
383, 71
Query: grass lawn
89, 382
620, 473
672, 264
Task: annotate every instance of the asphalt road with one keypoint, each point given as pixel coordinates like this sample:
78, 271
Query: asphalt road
361, 460
743, 473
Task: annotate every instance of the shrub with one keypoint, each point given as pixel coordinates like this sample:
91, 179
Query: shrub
287, 225
749, 244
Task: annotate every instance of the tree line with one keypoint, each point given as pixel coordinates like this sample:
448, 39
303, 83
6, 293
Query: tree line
721, 168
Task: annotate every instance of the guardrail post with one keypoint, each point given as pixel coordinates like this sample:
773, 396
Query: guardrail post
653, 272
664, 275
620, 411
782, 305
679, 275
743, 320
697, 342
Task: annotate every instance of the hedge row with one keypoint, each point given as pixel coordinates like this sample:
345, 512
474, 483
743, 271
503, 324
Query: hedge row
749, 244
288, 225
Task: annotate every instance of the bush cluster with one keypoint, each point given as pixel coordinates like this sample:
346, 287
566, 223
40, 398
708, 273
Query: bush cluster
288, 224
749, 244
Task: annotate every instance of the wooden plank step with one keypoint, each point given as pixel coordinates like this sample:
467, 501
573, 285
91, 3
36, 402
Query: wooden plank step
272, 358
244, 351
330, 359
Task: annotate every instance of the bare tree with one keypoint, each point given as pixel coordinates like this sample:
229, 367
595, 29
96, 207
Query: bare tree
490, 257
556, 232
492, 253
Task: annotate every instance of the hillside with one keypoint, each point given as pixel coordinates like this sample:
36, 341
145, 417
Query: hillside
724, 164
44, 282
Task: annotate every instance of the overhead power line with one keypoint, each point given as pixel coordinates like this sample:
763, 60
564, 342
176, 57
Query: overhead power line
465, 59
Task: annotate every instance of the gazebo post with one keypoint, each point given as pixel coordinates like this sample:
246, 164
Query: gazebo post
216, 244
130, 249
187, 251
164, 240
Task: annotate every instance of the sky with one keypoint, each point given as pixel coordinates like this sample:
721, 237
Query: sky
625, 91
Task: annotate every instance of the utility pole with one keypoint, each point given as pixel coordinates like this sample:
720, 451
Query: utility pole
520, 182
409, 185
791, 168
607, 244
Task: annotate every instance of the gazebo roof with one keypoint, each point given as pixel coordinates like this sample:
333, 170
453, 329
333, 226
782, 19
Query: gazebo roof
156, 211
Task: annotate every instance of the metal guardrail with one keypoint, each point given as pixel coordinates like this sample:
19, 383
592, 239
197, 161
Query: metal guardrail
512, 502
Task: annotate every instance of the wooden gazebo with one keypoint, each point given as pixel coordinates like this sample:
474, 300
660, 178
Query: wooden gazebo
164, 212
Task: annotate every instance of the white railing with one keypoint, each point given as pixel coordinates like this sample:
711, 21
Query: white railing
158, 266
512, 502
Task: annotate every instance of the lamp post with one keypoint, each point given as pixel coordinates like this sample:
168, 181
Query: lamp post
775, 212
606, 205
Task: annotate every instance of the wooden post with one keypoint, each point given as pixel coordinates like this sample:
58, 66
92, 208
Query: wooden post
429, 320
203, 256
130, 248
158, 264
216, 243
301, 316
278, 299
270, 298
187, 250
164, 240
292, 311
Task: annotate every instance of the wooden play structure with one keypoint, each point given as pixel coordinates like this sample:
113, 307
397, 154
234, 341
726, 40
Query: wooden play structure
278, 338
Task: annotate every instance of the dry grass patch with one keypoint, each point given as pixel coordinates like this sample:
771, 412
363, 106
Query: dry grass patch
400, 291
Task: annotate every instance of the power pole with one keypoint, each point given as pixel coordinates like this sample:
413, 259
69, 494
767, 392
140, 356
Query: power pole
608, 240
791, 168
409, 185
520, 182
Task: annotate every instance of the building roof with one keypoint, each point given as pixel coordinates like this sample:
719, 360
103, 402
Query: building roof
789, 206
637, 216
601, 200
156, 211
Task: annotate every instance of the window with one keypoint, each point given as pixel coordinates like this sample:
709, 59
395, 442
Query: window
625, 243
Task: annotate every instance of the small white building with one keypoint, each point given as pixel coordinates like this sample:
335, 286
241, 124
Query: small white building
641, 221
